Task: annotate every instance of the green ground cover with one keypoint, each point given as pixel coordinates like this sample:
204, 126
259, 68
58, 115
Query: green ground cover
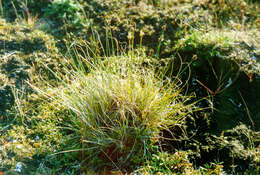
129, 87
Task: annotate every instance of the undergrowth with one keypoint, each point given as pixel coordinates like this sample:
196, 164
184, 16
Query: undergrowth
137, 87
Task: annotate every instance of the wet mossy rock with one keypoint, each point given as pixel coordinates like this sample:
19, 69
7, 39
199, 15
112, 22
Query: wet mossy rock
226, 66
231, 147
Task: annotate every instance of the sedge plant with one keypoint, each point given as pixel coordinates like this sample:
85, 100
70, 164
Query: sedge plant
119, 109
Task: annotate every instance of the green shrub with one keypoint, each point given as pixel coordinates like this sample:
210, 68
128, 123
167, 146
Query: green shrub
66, 11
224, 53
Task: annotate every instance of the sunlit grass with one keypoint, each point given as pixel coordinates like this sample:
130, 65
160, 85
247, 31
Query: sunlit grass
119, 111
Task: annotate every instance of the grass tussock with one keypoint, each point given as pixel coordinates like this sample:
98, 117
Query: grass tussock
119, 115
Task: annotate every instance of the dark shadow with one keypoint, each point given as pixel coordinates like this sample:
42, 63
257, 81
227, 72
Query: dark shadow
27, 46
16, 7
6, 99
17, 75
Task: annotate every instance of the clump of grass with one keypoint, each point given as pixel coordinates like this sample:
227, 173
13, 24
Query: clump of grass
118, 113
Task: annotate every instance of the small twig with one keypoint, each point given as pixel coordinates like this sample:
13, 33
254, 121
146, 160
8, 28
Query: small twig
8, 55
210, 91
28, 16
248, 112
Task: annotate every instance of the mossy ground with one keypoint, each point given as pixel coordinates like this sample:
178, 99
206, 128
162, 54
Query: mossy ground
210, 49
